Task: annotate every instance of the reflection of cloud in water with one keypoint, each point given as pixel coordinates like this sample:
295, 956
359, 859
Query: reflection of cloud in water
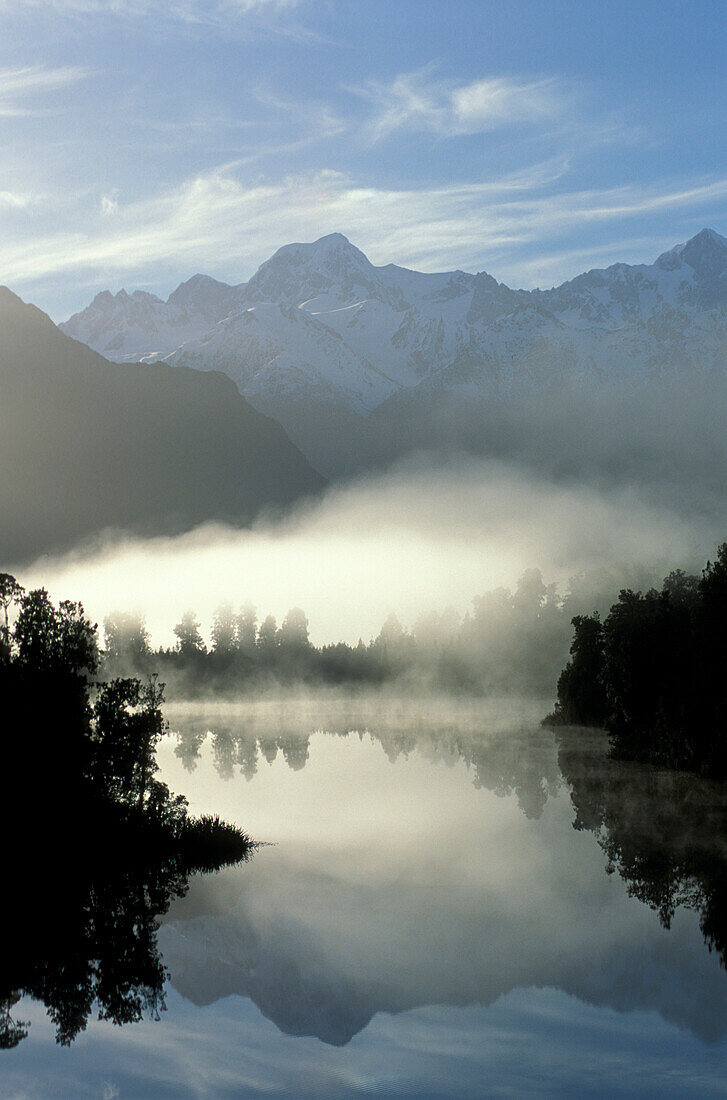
399, 884
526, 1042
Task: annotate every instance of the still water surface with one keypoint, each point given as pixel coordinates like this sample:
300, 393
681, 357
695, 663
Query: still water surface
449, 901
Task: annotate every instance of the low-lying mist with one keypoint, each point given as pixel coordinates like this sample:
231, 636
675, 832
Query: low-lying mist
422, 537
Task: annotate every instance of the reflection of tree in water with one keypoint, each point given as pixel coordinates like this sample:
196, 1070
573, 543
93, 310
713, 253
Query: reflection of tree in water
84, 935
507, 765
522, 762
95, 846
233, 750
664, 832
188, 748
224, 748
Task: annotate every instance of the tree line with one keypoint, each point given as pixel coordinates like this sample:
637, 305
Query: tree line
652, 673
510, 642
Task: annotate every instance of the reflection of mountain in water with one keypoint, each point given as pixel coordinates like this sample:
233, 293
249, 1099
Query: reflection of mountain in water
470, 915
494, 757
223, 954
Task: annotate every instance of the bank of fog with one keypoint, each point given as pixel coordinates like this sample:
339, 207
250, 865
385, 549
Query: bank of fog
461, 575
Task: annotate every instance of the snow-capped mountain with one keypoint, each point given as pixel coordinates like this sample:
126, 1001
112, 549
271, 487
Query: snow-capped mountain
129, 327
321, 335
287, 351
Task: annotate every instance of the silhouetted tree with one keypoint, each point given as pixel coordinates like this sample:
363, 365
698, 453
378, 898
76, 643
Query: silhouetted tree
394, 648
293, 632
581, 693
224, 632
10, 593
247, 629
267, 635
49, 639
126, 639
711, 639
189, 639
653, 674
128, 723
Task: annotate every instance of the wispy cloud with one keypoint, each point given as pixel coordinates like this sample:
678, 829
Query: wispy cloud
258, 5
181, 9
11, 200
187, 11
417, 101
18, 83
229, 19
216, 219
317, 118
285, 126
109, 205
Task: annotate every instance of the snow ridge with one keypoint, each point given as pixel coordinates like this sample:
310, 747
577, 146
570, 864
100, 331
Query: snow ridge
319, 322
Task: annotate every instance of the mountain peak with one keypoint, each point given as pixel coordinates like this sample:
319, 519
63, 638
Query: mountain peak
710, 235
703, 252
106, 300
332, 241
332, 247
205, 294
198, 282
333, 238
706, 254
707, 239
303, 271
336, 250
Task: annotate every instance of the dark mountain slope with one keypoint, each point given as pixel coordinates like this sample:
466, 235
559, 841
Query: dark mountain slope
86, 445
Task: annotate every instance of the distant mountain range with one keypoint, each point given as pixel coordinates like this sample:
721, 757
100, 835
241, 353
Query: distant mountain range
86, 446
319, 338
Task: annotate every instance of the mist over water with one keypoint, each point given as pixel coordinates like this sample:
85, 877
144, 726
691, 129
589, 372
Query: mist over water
421, 537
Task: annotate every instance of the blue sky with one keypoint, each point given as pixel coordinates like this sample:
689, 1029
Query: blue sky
143, 141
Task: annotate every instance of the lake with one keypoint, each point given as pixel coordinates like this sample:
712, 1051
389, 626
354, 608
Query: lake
448, 900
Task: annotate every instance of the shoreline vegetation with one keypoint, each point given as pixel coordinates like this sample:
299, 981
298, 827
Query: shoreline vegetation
652, 673
96, 739
512, 642
88, 826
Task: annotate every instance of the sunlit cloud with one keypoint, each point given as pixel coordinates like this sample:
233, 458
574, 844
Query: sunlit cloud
489, 103
416, 102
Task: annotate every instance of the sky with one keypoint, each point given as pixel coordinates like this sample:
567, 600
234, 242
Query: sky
143, 141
